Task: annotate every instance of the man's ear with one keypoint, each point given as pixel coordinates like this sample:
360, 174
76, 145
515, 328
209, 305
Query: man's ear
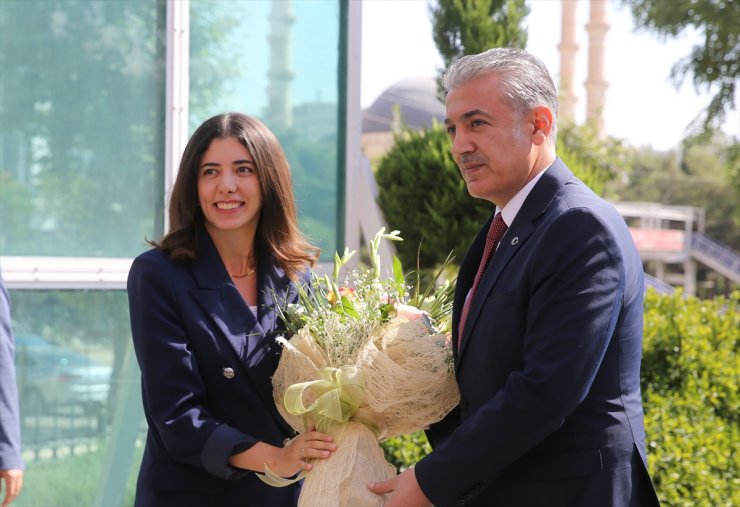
541, 118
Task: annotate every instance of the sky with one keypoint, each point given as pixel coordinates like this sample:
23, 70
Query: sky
642, 105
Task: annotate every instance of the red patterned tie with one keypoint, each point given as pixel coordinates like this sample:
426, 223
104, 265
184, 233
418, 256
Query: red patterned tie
495, 233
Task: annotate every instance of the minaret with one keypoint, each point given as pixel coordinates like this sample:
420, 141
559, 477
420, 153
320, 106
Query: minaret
596, 84
568, 49
279, 113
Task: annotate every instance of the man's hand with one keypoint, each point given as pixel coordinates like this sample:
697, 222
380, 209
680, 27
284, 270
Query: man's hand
405, 491
12, 482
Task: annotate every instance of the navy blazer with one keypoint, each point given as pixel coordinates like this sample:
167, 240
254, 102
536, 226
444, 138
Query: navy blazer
206, 365
549, 368
10, 422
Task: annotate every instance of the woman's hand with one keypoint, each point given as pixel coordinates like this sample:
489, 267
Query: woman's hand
298, 453
286, 461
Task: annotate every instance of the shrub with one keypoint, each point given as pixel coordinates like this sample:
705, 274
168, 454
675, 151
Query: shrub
689, 382
405, 450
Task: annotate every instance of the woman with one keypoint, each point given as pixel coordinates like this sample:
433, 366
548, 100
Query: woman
203, 318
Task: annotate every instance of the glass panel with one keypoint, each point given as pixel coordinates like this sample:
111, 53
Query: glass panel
279, 61
73, 360
81, 126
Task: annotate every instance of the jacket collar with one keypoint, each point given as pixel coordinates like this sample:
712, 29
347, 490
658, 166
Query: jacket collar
216, 293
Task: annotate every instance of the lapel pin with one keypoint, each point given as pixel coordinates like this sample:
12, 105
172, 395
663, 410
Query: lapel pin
228, 372
515, 240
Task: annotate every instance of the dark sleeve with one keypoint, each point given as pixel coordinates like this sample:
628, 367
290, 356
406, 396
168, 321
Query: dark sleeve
10, 427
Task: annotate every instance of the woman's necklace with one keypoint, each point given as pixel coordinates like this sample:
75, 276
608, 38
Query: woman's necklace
243, 275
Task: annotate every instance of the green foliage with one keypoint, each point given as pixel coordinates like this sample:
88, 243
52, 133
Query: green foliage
690, 384
690, 394
69, 481
714, 63
73, 481
405, 450
593, 159
423, 195
465, 27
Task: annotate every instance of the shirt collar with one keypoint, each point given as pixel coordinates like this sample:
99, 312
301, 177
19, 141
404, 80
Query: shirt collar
515, 204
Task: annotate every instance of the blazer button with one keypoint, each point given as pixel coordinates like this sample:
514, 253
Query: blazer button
228, 372
463, 403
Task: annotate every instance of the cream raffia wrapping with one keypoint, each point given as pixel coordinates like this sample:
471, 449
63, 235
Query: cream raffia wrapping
407, 386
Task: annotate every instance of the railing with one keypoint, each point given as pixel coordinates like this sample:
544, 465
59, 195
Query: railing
717, 256
660, 286
52, 434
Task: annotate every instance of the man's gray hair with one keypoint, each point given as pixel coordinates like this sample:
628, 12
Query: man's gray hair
526, 80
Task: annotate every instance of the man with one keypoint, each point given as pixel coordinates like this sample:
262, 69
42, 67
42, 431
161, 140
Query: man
549, 336
11, 463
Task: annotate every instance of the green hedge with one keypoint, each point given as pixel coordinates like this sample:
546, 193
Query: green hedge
690, 393
689, 383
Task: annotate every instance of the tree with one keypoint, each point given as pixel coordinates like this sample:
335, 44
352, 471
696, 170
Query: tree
464, 27
713, 64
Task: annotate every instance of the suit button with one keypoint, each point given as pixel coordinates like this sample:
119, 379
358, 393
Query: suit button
228, 372
463, 403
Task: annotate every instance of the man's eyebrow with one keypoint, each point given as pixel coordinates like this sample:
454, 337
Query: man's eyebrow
476, 112
470, 114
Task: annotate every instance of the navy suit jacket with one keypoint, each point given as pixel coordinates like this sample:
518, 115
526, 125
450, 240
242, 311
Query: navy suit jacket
206, 365
10, 424
550, 411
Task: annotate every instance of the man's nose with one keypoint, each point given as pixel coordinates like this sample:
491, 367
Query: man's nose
461, 144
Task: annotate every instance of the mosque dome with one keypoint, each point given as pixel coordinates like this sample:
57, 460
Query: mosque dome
416, 99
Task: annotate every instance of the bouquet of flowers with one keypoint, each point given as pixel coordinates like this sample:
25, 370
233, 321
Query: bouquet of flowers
366, 361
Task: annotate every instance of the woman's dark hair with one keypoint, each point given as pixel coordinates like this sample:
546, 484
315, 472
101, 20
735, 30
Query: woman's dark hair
277, 232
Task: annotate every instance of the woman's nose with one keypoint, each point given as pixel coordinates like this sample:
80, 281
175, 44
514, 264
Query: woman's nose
228, 182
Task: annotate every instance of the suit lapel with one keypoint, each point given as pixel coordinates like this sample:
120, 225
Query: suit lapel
465, 277
245, 334
524, 225
219, 298
514, 238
